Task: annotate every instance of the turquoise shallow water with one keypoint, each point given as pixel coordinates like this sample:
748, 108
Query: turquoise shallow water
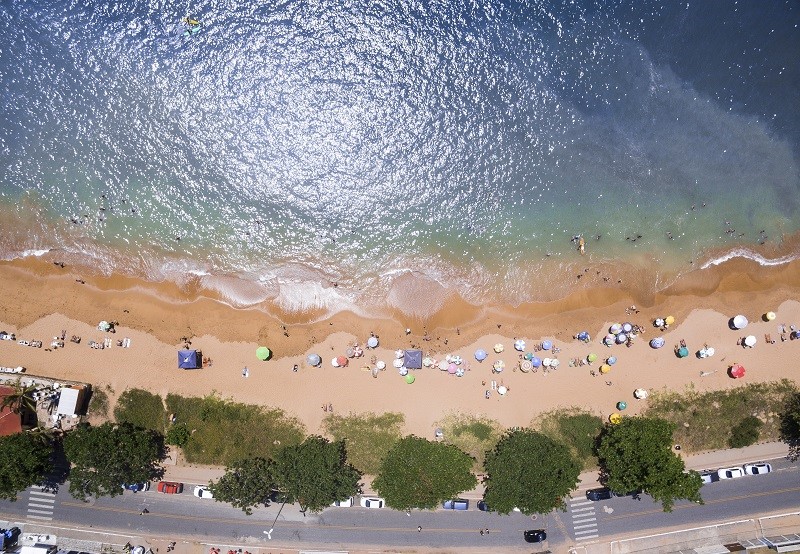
289, 146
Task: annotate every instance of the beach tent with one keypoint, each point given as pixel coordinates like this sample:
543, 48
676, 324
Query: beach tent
189, 359
413, 359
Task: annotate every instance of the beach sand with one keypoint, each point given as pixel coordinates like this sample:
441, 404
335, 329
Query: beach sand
41, 300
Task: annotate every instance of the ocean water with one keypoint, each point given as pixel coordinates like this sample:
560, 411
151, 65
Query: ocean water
399, 150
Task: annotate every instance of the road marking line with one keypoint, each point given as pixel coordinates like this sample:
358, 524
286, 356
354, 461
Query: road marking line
41, 499
575, 502
47, 494
34, 505
585, 531
584, 520
590, 508
31, 516
586, 538
31, 511
576, 527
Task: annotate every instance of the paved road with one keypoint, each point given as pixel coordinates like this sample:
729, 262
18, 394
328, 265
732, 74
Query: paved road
584, 522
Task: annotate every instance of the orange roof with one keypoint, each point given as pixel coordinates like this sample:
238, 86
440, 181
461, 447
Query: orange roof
10, 422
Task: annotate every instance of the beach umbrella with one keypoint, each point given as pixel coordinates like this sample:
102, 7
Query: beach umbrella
546, 362
536, 362
498, 366
350, 352
605, 368
410, 379
682, 352
657, 342
769, 316
611, 360
427, 361
736, 371
622, 337
342, 361
750, 341
443, 365
621, 405
460, 372
525, 366
104, 326
609, 339
397, 362
399, 353
641, 394
372, 342
615, 328
740, 322
456, 360
658, 322
794, 334
591, 357
313, 360
452, 368
554, 363
584, 336
480, 354
627, 327
547, 345
499, 348
519, 345
263, 353
615, 418
669, 320
403, 370
335, 362
501, 390
709, 351
380, 364
529, 356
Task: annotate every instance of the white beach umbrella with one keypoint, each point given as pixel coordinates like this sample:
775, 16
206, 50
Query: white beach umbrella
740, 322
750, 340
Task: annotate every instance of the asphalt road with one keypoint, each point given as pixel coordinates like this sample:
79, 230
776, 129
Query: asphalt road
173, 516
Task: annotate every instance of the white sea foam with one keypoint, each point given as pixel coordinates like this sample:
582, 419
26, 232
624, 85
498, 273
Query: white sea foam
36, 253
750, 255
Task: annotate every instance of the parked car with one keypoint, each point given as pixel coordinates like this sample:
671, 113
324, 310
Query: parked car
9, 537
709, 477
346, 503
278, 497
483, 506
730, 473
599, 494
372, 502
203, 492
136, 487
456, 504
535, 535
170, 487
757, 469
633, 494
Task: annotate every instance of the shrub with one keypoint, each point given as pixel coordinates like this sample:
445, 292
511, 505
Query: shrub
745, 433
178, 435
368, 437
472, 434
576, 428
141, 408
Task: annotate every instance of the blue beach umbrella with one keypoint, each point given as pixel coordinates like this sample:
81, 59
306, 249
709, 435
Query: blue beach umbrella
372, 342
611, 360
584, 336
547, 345
480, 354
536, 362
313, 360
657, 342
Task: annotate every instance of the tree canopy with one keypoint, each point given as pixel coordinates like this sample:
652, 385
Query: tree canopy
418, 473
637, 454
105, 457
315, 473
245, 484
790, 425
24, 461
529, 471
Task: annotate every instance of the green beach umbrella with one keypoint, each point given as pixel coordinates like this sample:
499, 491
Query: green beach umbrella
263, 353
621, 405
591, 357
683, 352
410, 378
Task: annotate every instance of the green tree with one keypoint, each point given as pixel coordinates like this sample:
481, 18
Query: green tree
529, 471
105, 457
24, 461
21, 400
745, 433
637, 454
790, 425
178, 435
245, 484
315, 473
418, 473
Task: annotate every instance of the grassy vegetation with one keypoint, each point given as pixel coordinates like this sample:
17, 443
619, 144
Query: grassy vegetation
705, 420
98, 402
223, 432
472, 434
141, 408
368, 436
574, 427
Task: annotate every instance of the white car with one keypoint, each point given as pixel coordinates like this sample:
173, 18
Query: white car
757, 469
346, 503
371, 502
709, 477
730, 473
202, 492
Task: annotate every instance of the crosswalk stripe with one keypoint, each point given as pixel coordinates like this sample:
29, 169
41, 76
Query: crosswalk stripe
586, 538
576, 502
44, 494
584, 520
35, 505
584, 532
31, 511
585, 526
31, 516
42, 498
589, 509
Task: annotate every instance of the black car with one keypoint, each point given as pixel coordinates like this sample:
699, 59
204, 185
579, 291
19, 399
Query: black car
535, 535
482, 506
599, 494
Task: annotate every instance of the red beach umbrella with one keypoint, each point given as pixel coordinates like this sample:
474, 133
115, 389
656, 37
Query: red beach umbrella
736, 371
342, 361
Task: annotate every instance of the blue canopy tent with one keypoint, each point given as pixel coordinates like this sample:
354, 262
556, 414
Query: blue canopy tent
190, 359
413, 359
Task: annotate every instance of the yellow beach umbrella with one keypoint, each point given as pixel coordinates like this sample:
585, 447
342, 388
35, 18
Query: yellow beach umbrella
605, 368
615, 418
669, 320
770, 316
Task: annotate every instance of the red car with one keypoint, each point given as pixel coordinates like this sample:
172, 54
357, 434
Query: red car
170, 488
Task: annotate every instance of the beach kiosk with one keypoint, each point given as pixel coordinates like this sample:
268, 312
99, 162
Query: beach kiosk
189, 359
413, 359
70, 400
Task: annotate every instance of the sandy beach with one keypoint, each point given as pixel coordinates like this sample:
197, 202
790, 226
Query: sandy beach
41, 300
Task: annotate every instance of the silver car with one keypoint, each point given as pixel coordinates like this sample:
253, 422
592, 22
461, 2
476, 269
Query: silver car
757, 469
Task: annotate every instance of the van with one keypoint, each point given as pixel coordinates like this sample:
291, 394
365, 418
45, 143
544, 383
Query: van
456, 504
